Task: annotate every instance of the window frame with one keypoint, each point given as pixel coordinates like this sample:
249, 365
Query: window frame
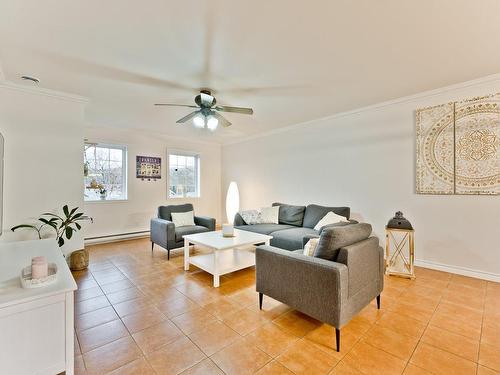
124, 149
197, 157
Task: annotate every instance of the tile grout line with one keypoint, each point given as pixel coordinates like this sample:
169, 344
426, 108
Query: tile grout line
119, 318
444, 329
364, 334
423, 333
130, 334
481, 333
168, 319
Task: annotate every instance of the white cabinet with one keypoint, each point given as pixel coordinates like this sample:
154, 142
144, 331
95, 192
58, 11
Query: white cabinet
36, 325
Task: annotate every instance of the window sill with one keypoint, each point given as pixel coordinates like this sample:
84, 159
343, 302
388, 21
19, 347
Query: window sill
105, 201
185, 198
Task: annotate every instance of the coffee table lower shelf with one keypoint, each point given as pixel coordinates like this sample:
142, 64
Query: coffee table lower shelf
221, 262
227, 254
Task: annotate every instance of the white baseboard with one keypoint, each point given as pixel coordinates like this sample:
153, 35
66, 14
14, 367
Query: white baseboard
459, 270
116, 238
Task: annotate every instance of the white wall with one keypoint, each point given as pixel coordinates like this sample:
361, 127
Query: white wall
43, 133
366, 159
144, 197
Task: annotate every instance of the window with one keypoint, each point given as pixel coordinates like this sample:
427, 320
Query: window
183, 175
105, 171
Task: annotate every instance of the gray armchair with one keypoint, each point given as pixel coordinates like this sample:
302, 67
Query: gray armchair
331, 290
165, 234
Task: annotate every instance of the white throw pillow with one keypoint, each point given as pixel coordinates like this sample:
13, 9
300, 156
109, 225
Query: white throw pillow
330, 218
270, 215
250, 216
310, 247
181, 219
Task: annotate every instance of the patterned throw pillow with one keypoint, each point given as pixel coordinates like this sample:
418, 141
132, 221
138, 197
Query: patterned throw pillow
310, 247
251, 216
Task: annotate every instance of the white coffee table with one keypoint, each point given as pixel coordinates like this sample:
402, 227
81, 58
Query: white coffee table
228, 254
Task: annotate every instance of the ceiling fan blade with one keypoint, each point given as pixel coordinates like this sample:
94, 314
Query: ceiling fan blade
222, 119
188, 117
267, 90
176, 105
109, 72
242, 110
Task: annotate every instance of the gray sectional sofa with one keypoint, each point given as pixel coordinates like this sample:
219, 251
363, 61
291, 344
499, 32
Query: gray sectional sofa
295, 223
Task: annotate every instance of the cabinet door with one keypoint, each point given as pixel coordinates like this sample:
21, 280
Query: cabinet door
32, 339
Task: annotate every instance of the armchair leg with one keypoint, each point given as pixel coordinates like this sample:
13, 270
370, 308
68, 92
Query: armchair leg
261, 297
378, 302
337, 338
152, 246
168, 254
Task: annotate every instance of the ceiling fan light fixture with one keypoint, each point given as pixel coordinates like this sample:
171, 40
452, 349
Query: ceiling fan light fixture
207, 113
212, 123
199, 121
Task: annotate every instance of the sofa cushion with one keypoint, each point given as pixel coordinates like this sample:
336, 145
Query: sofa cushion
165, 212
188, 229
263, 228
291, 215
291, 239
334, 238
315, 213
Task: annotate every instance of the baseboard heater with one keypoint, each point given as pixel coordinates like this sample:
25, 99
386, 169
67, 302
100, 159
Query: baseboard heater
116, 237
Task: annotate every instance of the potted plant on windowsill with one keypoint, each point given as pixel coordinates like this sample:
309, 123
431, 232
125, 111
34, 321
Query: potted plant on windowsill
102, 191
63, 226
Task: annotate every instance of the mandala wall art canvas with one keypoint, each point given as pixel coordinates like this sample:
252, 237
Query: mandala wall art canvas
458, 147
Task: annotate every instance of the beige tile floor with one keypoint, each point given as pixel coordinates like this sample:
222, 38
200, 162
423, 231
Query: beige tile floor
137, 313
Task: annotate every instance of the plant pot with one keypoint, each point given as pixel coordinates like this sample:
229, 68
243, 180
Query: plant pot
79, 260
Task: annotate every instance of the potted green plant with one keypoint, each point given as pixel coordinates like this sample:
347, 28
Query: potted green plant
64, 227
102, 191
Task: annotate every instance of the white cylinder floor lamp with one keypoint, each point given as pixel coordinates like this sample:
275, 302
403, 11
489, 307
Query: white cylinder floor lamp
232, 202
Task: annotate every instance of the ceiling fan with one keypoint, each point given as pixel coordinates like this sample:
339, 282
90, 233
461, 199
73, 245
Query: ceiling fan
207, 112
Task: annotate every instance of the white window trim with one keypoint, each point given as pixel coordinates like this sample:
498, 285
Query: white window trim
124, 148
180, 152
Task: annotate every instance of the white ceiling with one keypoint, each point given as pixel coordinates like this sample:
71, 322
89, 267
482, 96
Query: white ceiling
291, 61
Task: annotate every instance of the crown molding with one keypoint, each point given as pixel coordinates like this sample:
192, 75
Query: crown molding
378, 106
43, 92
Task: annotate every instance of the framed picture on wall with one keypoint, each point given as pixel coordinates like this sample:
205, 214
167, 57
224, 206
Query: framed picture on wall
148, 168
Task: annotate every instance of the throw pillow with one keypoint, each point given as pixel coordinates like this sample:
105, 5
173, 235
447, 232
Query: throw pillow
270, 215
333, 239
310, 247
251, 217
181, 219
330, 218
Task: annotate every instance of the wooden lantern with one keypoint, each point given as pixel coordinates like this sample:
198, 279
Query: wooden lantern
400, 247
